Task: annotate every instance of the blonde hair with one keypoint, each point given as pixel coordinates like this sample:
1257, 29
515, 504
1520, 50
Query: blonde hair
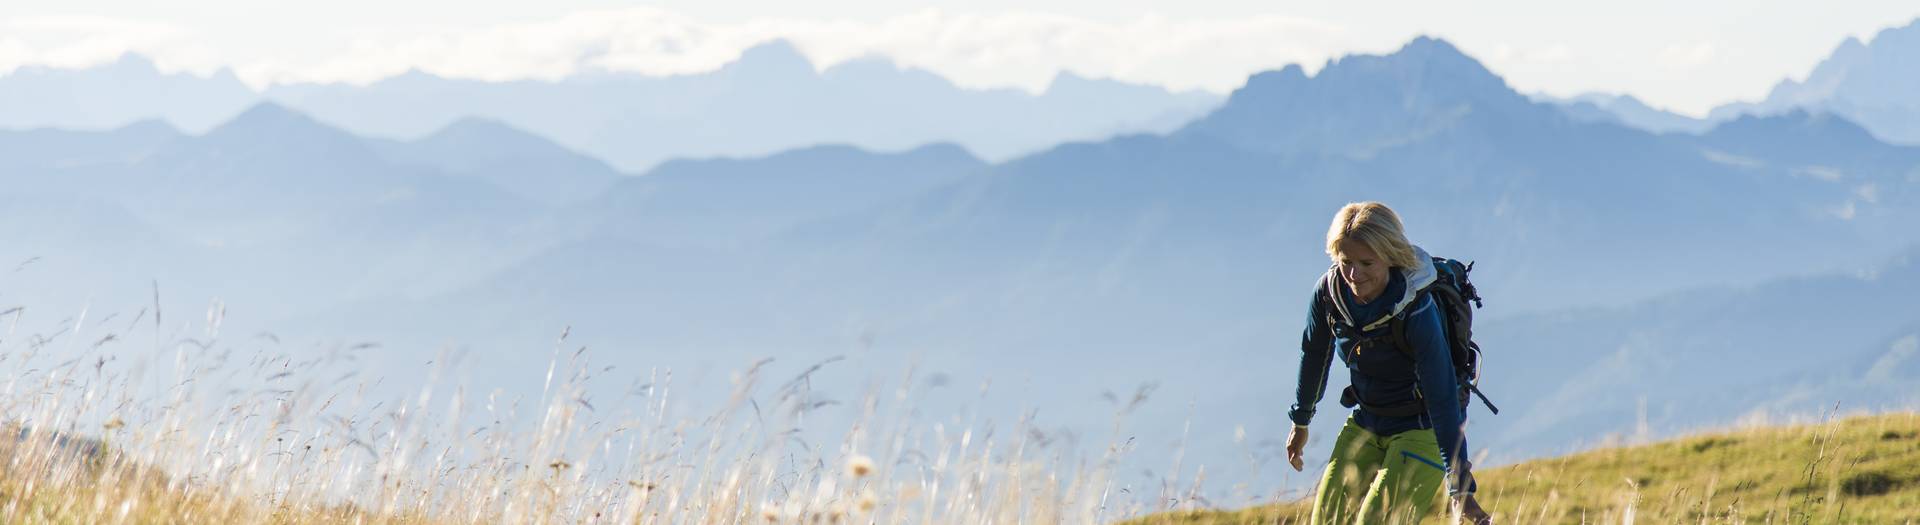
1375, 225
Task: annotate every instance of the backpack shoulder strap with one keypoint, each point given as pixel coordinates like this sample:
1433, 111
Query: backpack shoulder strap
1398, 326
1330, 291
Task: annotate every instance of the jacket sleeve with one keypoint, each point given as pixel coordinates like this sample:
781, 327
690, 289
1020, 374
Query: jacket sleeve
1440, 388
1316, 356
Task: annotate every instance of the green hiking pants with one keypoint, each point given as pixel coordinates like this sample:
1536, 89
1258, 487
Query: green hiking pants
1373, 479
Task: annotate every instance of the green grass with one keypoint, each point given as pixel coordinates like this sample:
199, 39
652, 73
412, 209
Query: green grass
1854, 470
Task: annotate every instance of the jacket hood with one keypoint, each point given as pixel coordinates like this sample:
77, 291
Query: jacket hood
1417, 279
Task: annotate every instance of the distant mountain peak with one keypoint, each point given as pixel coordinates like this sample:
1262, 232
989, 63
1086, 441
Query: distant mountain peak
150, 125
947, 150
1273, 79
1429, 45
413, 77
1360, 103
1912, 27
1068, 77
1626, 110
775, 57
142, 66
271, 124
1417, 65
126, 64
473, 124
486, 138
135, 62
1435, 54
1631, 100
1853, 43
1799, 121
1622, 103
268, 111
1069, 84
1871, 82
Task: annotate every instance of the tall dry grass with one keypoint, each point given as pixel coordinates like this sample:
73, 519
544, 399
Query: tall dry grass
135, 420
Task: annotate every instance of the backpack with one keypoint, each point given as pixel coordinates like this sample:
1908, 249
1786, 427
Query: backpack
1451, 291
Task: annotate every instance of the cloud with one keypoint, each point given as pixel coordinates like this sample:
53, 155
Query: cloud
1024, 50
1557, 53
1554, 54
1868, 192
1687, 55
70, 42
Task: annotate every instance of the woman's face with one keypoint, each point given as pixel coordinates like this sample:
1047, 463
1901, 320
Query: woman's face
1363, 270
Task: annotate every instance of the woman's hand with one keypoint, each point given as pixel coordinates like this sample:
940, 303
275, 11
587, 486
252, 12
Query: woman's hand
1297, 447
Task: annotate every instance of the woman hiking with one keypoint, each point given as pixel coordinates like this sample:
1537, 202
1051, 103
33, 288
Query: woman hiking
1389, 461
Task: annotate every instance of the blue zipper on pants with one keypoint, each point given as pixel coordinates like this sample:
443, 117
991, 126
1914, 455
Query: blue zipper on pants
1429, 462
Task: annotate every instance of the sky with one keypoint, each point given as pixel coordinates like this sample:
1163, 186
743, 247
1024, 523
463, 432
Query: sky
1682, 56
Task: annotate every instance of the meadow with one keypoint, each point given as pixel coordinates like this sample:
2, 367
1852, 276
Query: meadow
188, 427
1860, 469
124, 420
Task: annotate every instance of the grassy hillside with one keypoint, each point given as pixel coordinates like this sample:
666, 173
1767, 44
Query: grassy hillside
263, 437
1855, 470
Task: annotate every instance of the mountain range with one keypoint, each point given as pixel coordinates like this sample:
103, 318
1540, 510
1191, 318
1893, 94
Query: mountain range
1628, 111
771, 99
120, 93
1637, 371
1873, 83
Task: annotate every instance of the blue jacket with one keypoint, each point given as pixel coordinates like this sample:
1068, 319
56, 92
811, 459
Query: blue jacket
1380, 373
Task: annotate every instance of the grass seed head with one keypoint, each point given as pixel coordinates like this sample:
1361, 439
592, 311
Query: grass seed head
859, 466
